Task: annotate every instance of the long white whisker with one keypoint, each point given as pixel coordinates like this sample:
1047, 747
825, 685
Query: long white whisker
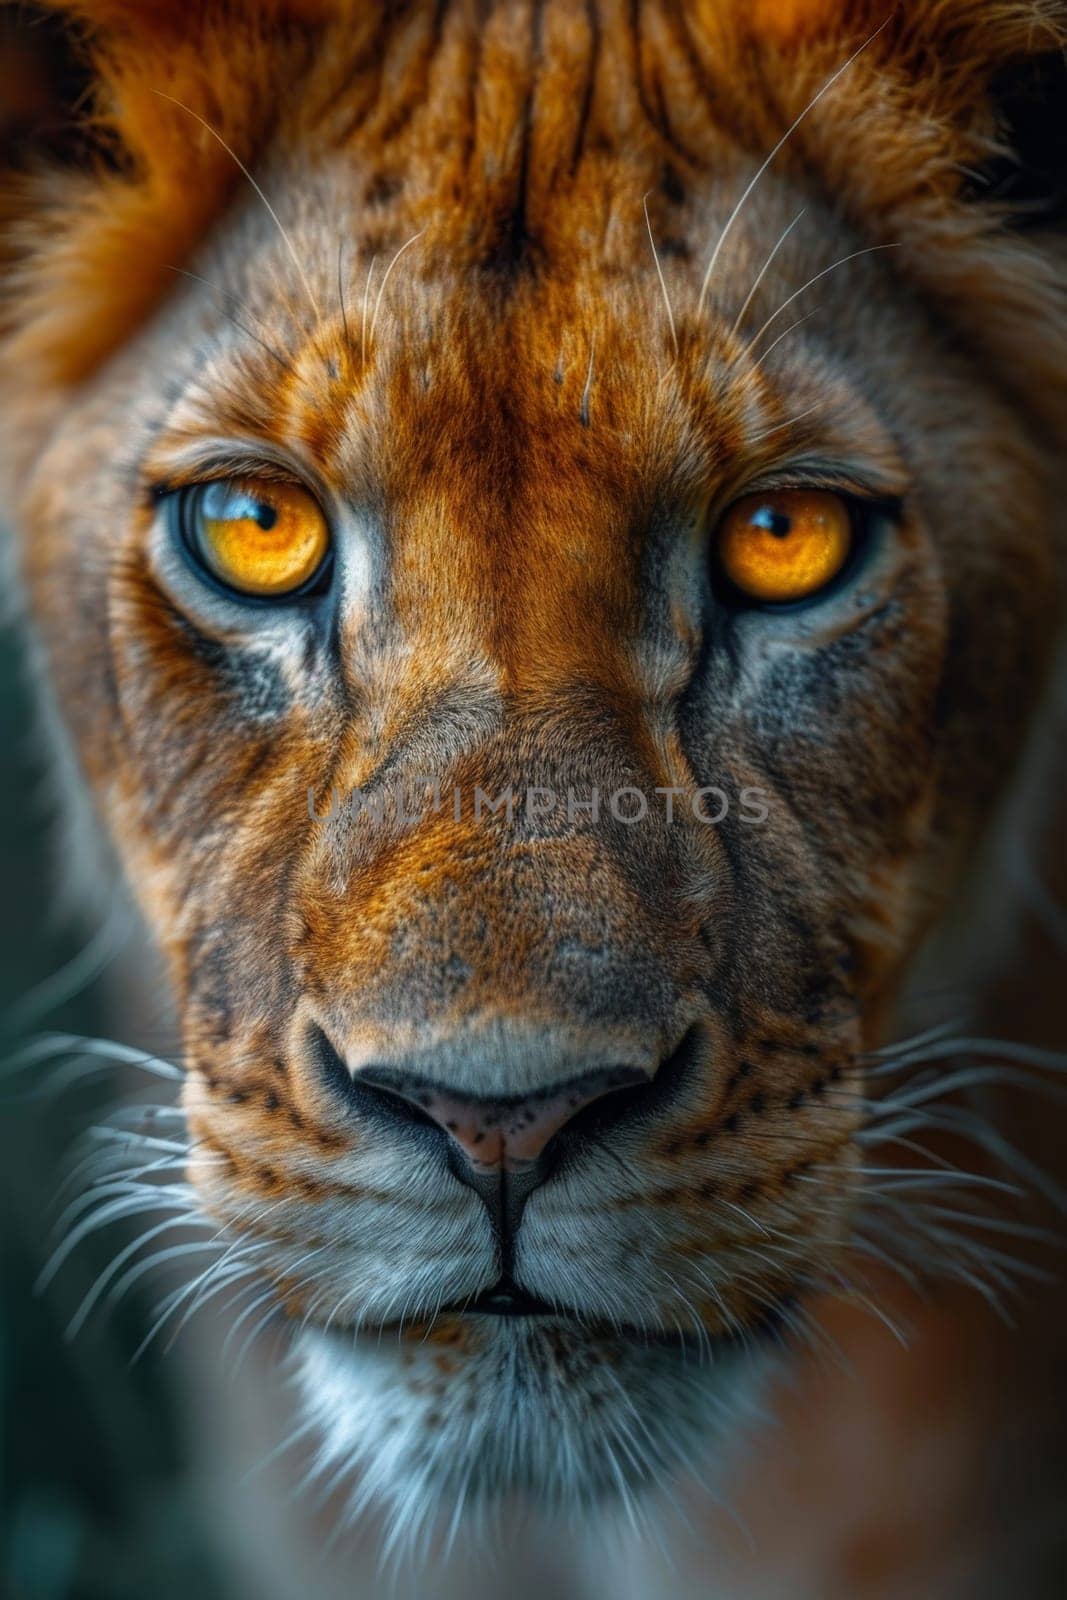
854, 255
752, 293
932, 1035
365, 312
662, 279
789, 423
211, 1286
967, 1124
235, 158
776, 342
1023, 1055
851, 1292
916, 1178
143, 1193
128, 1279
48, 1045
76, 974
114, 1211
786, 136
385, 279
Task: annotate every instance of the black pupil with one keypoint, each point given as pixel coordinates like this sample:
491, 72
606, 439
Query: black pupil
776, 522
266, 516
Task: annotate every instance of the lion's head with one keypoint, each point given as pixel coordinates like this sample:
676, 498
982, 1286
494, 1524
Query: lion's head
541, 524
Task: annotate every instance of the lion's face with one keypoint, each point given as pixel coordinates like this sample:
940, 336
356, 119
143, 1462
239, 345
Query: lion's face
540, 1118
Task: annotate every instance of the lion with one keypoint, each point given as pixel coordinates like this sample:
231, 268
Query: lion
541, 525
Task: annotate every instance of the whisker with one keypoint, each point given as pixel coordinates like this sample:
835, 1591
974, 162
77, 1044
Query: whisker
786, 136
916, 1178
48, 1045
128, 1279
99, 1165
366, 308
385, 279
1007, 1226
775, 342
1008, 1050
789, 423
851, 1292
948, 1266
783, 236
268, 1294
662, 279
341, 291
967, 1124
249, 333
854, 255
925, 1221
113, 1211
109, 1188
74, 975
932, 1035
235, 1271
235, 158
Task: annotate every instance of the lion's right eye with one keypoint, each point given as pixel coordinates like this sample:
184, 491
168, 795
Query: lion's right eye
262, 540
785, 546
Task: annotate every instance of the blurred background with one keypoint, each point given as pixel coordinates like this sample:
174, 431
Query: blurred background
97, 1495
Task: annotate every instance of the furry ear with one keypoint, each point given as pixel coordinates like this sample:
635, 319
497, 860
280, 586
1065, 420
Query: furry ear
999, 70
124, 144
946, 136
992, 72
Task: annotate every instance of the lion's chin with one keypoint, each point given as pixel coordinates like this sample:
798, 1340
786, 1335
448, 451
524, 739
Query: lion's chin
480, 1410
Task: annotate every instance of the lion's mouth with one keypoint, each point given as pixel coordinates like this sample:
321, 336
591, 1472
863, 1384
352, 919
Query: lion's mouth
503, 1299
507, 1299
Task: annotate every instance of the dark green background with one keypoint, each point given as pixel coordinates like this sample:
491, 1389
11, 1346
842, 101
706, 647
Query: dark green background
96, 1496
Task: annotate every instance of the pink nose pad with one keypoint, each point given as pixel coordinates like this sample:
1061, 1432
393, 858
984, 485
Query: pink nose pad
503, 1135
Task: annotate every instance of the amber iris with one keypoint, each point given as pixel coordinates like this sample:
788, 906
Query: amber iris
785, 545
260, 538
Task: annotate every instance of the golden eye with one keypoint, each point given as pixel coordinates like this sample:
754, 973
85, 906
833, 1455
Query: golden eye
261, 538
785, 545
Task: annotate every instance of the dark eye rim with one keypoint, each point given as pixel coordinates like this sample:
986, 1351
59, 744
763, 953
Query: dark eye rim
866, 513
179, 505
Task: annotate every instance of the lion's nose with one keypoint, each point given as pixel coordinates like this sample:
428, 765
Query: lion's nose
505, 1105
499, 1135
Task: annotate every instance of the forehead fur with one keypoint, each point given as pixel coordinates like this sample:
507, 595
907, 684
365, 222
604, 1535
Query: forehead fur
516, 125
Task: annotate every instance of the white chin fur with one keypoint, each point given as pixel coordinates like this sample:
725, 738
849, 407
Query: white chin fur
532, 1410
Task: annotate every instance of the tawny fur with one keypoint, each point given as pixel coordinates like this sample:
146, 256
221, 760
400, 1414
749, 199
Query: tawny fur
407, 251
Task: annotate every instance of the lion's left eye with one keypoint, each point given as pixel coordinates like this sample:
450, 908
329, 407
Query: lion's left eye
786, 545
261, 539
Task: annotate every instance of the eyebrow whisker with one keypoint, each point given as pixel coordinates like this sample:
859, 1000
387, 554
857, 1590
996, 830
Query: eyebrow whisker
662, 280
854, 255
739, 319
235, 158
786, 136
385, 279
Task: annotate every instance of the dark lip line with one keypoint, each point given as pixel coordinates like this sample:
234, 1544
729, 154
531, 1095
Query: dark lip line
511, 1302
506, 1299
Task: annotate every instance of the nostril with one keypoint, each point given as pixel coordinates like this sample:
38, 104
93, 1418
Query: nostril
494, 1134
502, 1133
638, 1102
360, 1091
